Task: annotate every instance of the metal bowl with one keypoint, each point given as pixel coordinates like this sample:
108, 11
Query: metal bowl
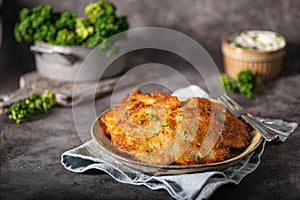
63, 62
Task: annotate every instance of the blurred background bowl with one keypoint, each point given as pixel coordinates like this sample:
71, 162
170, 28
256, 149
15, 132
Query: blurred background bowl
63, 62
266, 64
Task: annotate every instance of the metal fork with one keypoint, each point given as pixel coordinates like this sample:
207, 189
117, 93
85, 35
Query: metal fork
268, 131
279, 129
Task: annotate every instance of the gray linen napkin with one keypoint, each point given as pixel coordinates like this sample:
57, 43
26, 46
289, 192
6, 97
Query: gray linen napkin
204, 184
90, 156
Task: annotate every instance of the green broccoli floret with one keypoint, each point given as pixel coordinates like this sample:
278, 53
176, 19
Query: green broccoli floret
40, 14
65, 37
31, 22
24, 14
83, 28
93, 40
23, 31
66, 19
106, 23
41, 24
51, 33
93, 10
45, 32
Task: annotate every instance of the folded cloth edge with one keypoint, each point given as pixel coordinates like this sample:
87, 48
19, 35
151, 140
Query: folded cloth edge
145, 180
168, 182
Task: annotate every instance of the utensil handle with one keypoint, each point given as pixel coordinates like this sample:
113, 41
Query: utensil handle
278, 129
267, 134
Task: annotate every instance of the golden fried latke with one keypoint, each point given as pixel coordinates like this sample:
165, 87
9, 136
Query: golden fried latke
157, 128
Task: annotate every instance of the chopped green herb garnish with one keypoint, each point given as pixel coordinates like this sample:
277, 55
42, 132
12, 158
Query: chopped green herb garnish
132, 99
180, 115
254, 37
239, 45
220, 133
185, 140
154, 134
134, 142
206, 109
185, 132
166, 124
147, 94
224, 110
148, 151
141, 121
197, 158
151, 117
279, 36
218, 144
147, 139
220, 117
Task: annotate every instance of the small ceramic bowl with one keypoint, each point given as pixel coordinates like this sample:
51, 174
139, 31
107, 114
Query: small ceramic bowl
267, 64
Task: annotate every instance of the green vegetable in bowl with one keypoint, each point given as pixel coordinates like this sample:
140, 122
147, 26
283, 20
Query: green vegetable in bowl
67, 20
23, 110
45, 32
66, 29
83, 28
65, 37
105, 23
94, 10
31, 22
245, 84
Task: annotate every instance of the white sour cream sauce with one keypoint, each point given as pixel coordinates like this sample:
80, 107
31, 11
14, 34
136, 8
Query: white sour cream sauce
258, 40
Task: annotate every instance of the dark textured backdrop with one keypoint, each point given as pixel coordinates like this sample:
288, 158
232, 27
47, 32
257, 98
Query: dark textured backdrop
29, 153
204, 20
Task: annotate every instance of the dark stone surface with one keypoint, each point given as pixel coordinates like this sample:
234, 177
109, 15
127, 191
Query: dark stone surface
31, 169
30, 153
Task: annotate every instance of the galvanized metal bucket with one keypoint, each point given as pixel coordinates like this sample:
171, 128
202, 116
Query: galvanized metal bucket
63, 62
